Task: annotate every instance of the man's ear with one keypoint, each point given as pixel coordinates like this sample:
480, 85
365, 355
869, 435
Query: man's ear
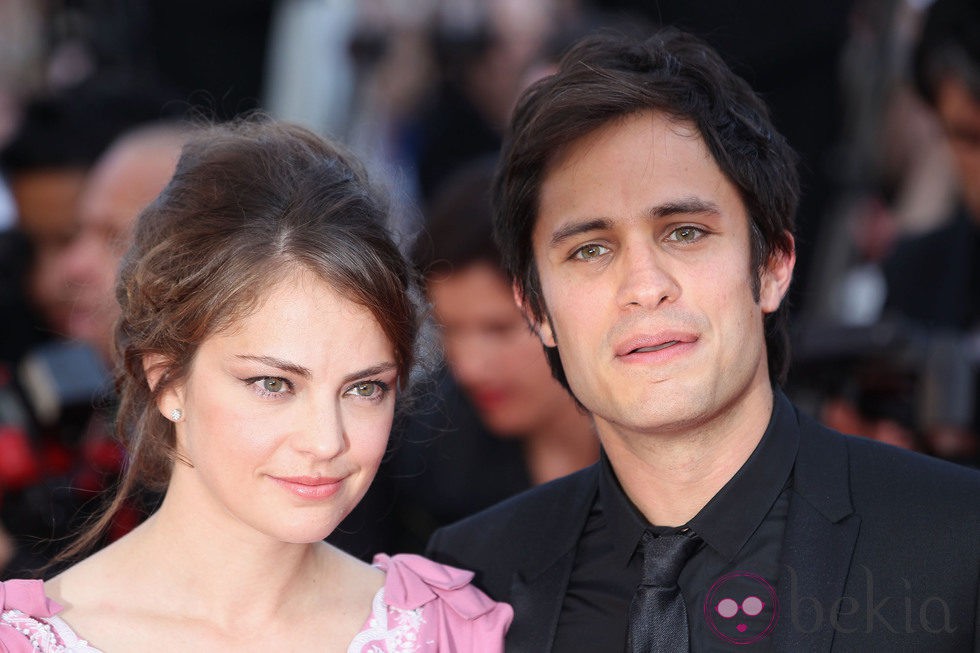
172, 397
775, 278
542, 328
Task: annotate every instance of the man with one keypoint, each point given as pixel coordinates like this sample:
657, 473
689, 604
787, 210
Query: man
644, 209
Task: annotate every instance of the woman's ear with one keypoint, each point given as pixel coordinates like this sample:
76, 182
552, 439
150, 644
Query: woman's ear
170, 402
154, 365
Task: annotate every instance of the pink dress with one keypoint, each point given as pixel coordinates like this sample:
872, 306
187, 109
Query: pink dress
424, 606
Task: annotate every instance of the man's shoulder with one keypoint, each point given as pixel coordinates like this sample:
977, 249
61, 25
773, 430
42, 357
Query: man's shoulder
526, 509
893, 468
514, 532
882, 476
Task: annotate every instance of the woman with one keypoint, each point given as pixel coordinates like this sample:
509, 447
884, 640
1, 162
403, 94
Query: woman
268, 323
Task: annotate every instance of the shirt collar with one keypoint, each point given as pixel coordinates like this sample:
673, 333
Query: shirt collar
626, 523
731, 517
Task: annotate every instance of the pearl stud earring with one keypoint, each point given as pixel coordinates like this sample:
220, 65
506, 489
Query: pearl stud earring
176, 414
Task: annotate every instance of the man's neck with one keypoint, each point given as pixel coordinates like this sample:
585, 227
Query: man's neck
671, 476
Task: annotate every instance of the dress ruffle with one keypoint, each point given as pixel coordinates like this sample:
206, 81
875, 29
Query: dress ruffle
456, 615
414, 581
26, 597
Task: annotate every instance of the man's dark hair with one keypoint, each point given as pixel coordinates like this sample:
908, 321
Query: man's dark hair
948, 46
608, 76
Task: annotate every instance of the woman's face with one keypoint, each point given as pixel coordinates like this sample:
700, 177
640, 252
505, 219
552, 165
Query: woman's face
286, 415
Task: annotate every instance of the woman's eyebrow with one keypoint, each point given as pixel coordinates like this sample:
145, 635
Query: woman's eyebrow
272, 361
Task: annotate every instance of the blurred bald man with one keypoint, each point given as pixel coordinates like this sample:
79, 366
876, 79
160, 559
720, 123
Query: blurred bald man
124, 181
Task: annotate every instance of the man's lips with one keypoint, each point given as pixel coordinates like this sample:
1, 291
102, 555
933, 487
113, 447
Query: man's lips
652, 343
309, 487
643, 350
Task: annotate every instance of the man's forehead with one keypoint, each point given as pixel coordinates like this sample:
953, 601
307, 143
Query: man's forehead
666, 138
581, 144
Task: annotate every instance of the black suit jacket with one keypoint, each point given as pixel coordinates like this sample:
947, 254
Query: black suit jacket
881, 547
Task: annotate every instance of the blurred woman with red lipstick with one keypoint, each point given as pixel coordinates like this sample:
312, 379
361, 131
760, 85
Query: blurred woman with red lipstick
268, 325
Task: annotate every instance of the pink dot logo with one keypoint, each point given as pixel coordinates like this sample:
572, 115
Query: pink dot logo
741, 608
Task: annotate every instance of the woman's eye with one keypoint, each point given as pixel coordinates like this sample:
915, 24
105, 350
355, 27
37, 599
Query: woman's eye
686, 234
365, 389
589, 252
368, 389
270, 385
273, 384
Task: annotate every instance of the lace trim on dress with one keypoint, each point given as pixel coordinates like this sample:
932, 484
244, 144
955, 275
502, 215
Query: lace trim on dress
44, 637
401, 636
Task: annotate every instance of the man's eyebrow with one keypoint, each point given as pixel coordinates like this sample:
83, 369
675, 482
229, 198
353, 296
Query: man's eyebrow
673, 207
683, 205
272, 361
572, 229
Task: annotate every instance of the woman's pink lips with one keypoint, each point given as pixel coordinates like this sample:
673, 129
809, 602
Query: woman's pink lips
310, 487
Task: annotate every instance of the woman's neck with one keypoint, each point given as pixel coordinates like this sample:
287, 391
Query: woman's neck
222, 566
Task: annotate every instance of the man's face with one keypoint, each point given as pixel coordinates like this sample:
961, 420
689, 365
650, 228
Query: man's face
959, 113
492, 354
47, 209
642, 247
121, 186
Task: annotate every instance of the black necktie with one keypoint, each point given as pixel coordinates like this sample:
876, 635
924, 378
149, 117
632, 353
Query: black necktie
658, 618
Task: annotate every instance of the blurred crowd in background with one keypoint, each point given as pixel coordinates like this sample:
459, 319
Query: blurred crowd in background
880, 98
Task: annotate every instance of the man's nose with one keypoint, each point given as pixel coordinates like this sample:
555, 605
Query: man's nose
646, 278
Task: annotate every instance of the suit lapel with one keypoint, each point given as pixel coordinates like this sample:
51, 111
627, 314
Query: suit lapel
538, 600
538, 586
821, 532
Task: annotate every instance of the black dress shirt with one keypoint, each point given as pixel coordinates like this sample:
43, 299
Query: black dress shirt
728, 585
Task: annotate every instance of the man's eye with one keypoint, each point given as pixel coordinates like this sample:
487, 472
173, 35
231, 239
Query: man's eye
591, 251
686, 234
